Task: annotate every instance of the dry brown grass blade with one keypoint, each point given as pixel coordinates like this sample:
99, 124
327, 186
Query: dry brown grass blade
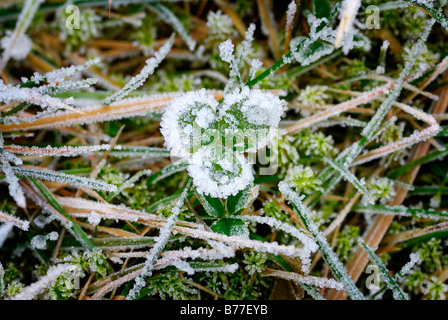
117, 110
411, 234
9, 219
299, 278
54, 152
39, 63
386, 34
337, 109
101, 113
381, 225
268, 23
109, 230
228, 10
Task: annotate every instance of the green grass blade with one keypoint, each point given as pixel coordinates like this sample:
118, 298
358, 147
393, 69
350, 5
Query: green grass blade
430, 11
139, 152
2, 280
63, 178
399, 294
112, 243
350, 177
80, 234
325, 249
429, 190
167, 171
162, 240
128, 183
402, 211
280, 63
170, 18
410, 165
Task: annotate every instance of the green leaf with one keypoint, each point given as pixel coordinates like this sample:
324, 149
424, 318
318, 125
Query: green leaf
230, 227
213, 206
315, 51
237, 203
321, 8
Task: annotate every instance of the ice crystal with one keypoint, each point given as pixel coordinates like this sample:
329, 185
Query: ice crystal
220, 25
40, 241
18, 52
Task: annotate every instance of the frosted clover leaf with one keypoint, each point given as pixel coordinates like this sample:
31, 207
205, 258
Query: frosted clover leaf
213, 136
219, 172
186, 120
251, 117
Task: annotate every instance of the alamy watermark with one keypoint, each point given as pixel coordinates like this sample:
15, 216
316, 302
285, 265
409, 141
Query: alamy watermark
372, 17
72, 21
373, 280
372, 21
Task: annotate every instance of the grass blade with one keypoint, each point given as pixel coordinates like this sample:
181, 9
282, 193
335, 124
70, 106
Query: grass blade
390, 281
350, 177
162, 240
80, 234
325, 249
402, 211
171, 19
63, 178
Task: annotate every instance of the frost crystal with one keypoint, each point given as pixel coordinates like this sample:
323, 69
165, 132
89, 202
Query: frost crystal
226, 51
20, 49
40, 241
94, 218
292, 8
219, 24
